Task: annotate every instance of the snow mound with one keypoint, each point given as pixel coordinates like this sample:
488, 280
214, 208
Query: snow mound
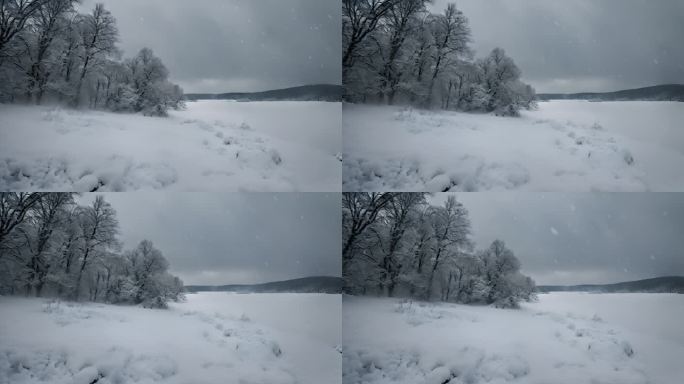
116, 365
466, 365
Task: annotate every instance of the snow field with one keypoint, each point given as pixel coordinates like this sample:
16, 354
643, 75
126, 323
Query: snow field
213, 145
562, 146
211, 338
564, 338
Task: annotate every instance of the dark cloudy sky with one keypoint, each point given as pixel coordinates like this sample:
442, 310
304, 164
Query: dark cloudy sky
583, 45
583, 237
235, 45
212, 238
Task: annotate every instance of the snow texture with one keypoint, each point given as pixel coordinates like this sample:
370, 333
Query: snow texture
211, 146
563, 146
564, 338
212, 338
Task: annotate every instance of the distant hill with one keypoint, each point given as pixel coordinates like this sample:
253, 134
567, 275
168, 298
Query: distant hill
316, 92
666, 92
666, 284
313, 284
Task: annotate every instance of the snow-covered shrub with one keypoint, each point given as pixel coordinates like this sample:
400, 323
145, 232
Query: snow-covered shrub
52, 306
506, 302
627, 348
275, 348
275, 157
404, 306
124, 99
155, 302
627, 157
405, 114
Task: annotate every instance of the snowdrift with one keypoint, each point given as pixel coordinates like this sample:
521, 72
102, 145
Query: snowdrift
212, 338
564, 338
212, 146
563, 146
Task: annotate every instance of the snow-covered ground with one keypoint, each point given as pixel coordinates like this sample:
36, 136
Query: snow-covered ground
563, 146
564, 338
212, 146
211, 338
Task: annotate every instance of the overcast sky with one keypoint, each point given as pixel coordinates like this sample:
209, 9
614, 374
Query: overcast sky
582, 45
225, 238
583, 237
235, 45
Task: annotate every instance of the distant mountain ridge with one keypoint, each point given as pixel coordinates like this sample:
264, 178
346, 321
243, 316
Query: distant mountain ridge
311, 284
665, 92
665, 284
315, 92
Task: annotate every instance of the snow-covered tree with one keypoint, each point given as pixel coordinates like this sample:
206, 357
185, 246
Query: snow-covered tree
450, 35
154, 95
359, 19
46, 31
396, 221
98, 37
502, 274
98, 227
14, 207
42, 238
50, 246
451, 230
399, 52
14, 15
51, 51
403, 246
499, 78
399, 23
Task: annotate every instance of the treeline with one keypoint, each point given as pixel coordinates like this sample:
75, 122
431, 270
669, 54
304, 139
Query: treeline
51, 246
397, 244
49, 51
396, 51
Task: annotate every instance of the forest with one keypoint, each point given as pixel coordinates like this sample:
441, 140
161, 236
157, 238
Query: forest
51, 246
49, 52
399, 52
401, 245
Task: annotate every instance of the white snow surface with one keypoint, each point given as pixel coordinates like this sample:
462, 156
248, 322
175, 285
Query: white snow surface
564, 145
214, 337
573, 338
213, 145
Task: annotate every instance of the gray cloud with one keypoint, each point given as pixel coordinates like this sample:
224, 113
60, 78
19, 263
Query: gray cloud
235, 45
582, 45
212, 238
583, 237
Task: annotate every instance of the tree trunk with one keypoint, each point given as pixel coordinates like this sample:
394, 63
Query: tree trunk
448, 287
448, 97
77, 288
79, 86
